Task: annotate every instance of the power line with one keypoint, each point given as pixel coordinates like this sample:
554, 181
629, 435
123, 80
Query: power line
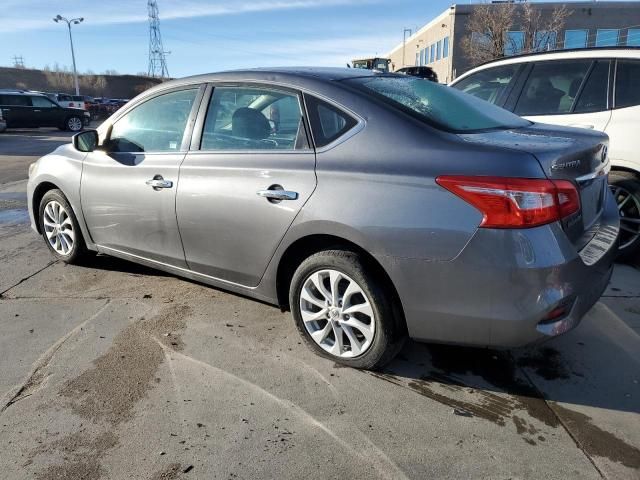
157, 60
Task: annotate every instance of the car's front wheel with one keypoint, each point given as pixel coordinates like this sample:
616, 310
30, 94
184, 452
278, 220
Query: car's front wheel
342, 311
73, 124
60, 229
626, 190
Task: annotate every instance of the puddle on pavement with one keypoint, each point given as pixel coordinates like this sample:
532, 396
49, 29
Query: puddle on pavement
490, 385
14, 216
13, 209
596, 441
547, 363
476, 383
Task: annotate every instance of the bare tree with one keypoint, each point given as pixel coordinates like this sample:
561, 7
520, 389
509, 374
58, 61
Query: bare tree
539, 33
489, 26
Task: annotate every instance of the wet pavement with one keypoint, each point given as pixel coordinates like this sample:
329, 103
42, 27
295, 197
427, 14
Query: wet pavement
114, 370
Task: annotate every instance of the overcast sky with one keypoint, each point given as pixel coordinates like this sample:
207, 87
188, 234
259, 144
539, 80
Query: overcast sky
208, 35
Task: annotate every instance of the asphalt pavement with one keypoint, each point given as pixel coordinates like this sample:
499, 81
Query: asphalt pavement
113, 370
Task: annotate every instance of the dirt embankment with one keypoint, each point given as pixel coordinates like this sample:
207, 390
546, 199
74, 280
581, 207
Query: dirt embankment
110, 86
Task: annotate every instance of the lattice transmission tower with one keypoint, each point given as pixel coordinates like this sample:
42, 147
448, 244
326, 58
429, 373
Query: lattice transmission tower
157, 60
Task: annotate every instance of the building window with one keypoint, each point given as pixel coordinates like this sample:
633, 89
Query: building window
607, 37
445, 47
433, 52
417, 59
514, 44
423, 58
426, 56
575, 38
545, 40
633, 37
439, 50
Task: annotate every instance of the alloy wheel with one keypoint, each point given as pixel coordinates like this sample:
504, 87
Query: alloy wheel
337, 313
74, 124
629, 209
58, 228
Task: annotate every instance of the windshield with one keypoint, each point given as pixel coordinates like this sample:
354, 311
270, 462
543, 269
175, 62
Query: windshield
441, 106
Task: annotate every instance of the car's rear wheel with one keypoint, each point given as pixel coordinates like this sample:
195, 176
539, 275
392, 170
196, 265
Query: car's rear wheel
73, 124
60, 228
626, 190
342, 312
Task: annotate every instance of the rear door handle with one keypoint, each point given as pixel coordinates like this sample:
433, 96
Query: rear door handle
159, 182
278, 194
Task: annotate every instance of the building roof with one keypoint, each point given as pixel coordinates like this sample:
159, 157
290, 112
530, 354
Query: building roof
429, 25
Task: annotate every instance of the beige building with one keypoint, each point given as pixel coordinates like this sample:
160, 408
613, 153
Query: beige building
591, 24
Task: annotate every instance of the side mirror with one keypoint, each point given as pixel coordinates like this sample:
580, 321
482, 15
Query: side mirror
86, 141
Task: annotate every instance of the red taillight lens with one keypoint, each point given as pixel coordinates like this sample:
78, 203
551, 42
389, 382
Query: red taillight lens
515, 202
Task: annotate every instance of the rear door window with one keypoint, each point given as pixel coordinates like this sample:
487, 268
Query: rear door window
627, 93
552, 87
253, 118
491, 84
593, 97
328, 123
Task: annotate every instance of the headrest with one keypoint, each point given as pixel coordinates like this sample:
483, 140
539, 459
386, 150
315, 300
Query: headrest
249, 123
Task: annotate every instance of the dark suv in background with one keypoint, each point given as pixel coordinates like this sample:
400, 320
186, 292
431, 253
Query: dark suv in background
426, 73
30, 109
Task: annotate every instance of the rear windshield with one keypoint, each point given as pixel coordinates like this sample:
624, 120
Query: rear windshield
441, 106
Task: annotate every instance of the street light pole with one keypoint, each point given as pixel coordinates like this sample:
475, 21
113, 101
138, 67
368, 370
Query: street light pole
74, 21
404, 44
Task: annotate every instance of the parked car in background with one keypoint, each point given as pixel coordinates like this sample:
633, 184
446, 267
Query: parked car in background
3, 123
30, 109
419, 71
73, 101
373, 63
593, 88
104, 107
472, 226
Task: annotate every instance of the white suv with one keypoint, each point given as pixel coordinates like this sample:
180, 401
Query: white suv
597, 88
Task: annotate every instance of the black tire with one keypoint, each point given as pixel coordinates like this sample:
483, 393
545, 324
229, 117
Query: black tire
389, 332
628, 183
78, 252
71, 124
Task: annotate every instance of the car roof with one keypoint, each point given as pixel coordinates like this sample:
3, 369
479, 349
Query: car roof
291, 73
568, 54
12, 91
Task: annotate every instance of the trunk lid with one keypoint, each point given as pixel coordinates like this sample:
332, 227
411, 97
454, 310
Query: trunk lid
564, 153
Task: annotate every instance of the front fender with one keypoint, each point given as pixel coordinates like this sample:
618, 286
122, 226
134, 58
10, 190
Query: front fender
63, 170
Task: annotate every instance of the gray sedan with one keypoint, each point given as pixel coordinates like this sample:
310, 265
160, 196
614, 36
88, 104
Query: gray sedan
373, 206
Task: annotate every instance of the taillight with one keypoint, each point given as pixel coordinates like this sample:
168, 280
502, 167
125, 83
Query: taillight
515, 202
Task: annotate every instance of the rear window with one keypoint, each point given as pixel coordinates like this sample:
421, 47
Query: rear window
441, 106
15, 100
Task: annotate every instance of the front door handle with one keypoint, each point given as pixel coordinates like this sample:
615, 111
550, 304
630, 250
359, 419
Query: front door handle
275, 194
158, 182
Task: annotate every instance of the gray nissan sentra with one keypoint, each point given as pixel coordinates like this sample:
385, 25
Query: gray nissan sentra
373, 206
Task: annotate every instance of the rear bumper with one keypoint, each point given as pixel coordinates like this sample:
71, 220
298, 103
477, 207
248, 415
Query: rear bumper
504, 283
